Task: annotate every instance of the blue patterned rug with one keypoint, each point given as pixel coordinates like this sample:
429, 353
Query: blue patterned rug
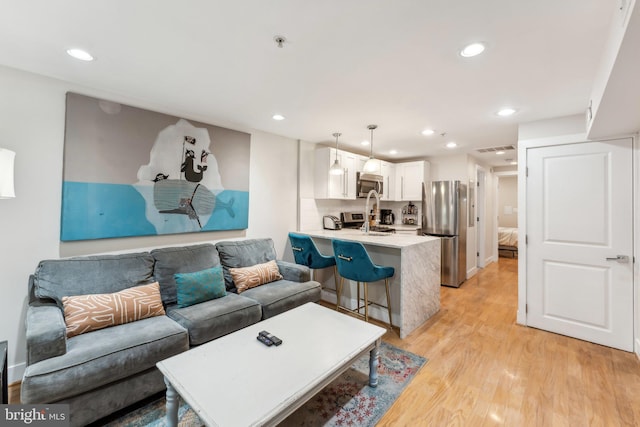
347, 401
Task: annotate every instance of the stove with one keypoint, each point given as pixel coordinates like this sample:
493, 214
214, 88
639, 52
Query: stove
352, 219
355, 220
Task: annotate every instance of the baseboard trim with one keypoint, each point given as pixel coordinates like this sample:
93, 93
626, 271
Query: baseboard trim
637, 348
16, 372
472, 272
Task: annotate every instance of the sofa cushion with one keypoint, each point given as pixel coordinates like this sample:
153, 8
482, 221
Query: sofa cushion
102, 357
108, 399
249, 277
278, 297
92, 275
243, 253
184, 259
212, 319
199, 286
86, 313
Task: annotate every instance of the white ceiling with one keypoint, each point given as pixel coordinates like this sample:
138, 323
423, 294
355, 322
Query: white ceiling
345, 65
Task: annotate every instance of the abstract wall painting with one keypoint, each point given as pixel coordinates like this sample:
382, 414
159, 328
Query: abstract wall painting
133, 172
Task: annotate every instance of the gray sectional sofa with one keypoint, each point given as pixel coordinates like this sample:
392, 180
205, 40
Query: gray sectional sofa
103, 371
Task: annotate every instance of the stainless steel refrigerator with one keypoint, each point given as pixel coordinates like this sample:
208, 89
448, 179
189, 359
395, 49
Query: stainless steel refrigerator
444, 214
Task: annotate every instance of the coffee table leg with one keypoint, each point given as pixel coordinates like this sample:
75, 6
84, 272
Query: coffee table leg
373, 365
172, 404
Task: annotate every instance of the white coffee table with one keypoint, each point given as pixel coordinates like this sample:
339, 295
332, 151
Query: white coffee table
236, 380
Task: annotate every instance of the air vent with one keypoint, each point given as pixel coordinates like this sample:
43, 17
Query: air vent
494, 149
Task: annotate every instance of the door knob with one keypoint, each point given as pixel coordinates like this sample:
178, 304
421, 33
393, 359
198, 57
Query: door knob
619, 258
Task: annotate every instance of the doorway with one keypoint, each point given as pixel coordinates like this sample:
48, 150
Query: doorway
507, 216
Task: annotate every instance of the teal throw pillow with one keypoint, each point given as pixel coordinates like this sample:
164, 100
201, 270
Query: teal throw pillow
200, 286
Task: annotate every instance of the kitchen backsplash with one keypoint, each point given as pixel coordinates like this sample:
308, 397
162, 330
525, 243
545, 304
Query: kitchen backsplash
312, 210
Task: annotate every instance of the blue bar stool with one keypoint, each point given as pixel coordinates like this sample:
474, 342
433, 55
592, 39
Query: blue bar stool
306, 253
354, 263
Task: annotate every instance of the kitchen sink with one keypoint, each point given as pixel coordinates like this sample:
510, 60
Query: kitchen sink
382, 229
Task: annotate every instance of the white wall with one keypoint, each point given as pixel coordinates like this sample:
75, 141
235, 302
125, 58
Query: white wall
567, 125
33, 113
508, 201
453, 167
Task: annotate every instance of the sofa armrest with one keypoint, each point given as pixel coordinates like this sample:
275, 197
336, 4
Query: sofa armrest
46, 333
294, 272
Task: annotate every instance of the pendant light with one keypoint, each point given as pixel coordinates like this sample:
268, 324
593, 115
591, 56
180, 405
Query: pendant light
335, 168
372, 165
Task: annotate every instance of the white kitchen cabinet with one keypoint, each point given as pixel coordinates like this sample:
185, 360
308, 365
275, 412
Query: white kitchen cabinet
409, 179
361, 160
388, 172
327, 186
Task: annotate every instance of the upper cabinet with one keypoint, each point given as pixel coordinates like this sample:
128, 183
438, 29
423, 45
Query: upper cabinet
388, 172
409, 178
327, 186
401, 181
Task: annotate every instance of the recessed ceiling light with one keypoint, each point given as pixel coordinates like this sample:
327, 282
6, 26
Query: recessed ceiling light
364, 143
278, 117
393, 152
80, 54
507, 111
428, 132
472, 50
499, 153
451, 144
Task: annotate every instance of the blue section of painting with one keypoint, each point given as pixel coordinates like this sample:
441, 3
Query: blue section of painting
99, 211
231, 212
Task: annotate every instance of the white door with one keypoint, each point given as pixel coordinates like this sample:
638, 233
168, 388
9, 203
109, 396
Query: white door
580, 249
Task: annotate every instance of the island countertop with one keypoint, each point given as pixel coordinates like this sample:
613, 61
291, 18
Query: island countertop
391, 240
415, 286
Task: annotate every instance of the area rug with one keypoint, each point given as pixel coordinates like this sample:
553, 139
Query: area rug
347, 401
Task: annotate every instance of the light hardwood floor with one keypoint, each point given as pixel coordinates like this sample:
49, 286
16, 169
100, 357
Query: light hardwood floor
483, 369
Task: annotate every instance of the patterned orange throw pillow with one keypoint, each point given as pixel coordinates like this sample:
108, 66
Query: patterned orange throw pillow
86, 313
256, 275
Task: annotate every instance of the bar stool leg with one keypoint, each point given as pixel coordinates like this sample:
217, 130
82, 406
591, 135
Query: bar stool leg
358, 296
386, 285
338, 292
366, 302
335, 276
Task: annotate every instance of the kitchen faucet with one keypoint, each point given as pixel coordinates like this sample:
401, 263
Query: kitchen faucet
376, 214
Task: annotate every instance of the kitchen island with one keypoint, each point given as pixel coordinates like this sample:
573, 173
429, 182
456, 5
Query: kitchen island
415, 287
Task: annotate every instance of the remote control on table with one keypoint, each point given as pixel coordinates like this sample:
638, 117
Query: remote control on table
264, 340
274, 339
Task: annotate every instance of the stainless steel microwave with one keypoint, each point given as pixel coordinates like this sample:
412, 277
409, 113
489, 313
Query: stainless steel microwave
366, 182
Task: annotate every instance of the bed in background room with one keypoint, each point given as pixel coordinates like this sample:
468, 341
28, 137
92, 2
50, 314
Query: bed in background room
508, 241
